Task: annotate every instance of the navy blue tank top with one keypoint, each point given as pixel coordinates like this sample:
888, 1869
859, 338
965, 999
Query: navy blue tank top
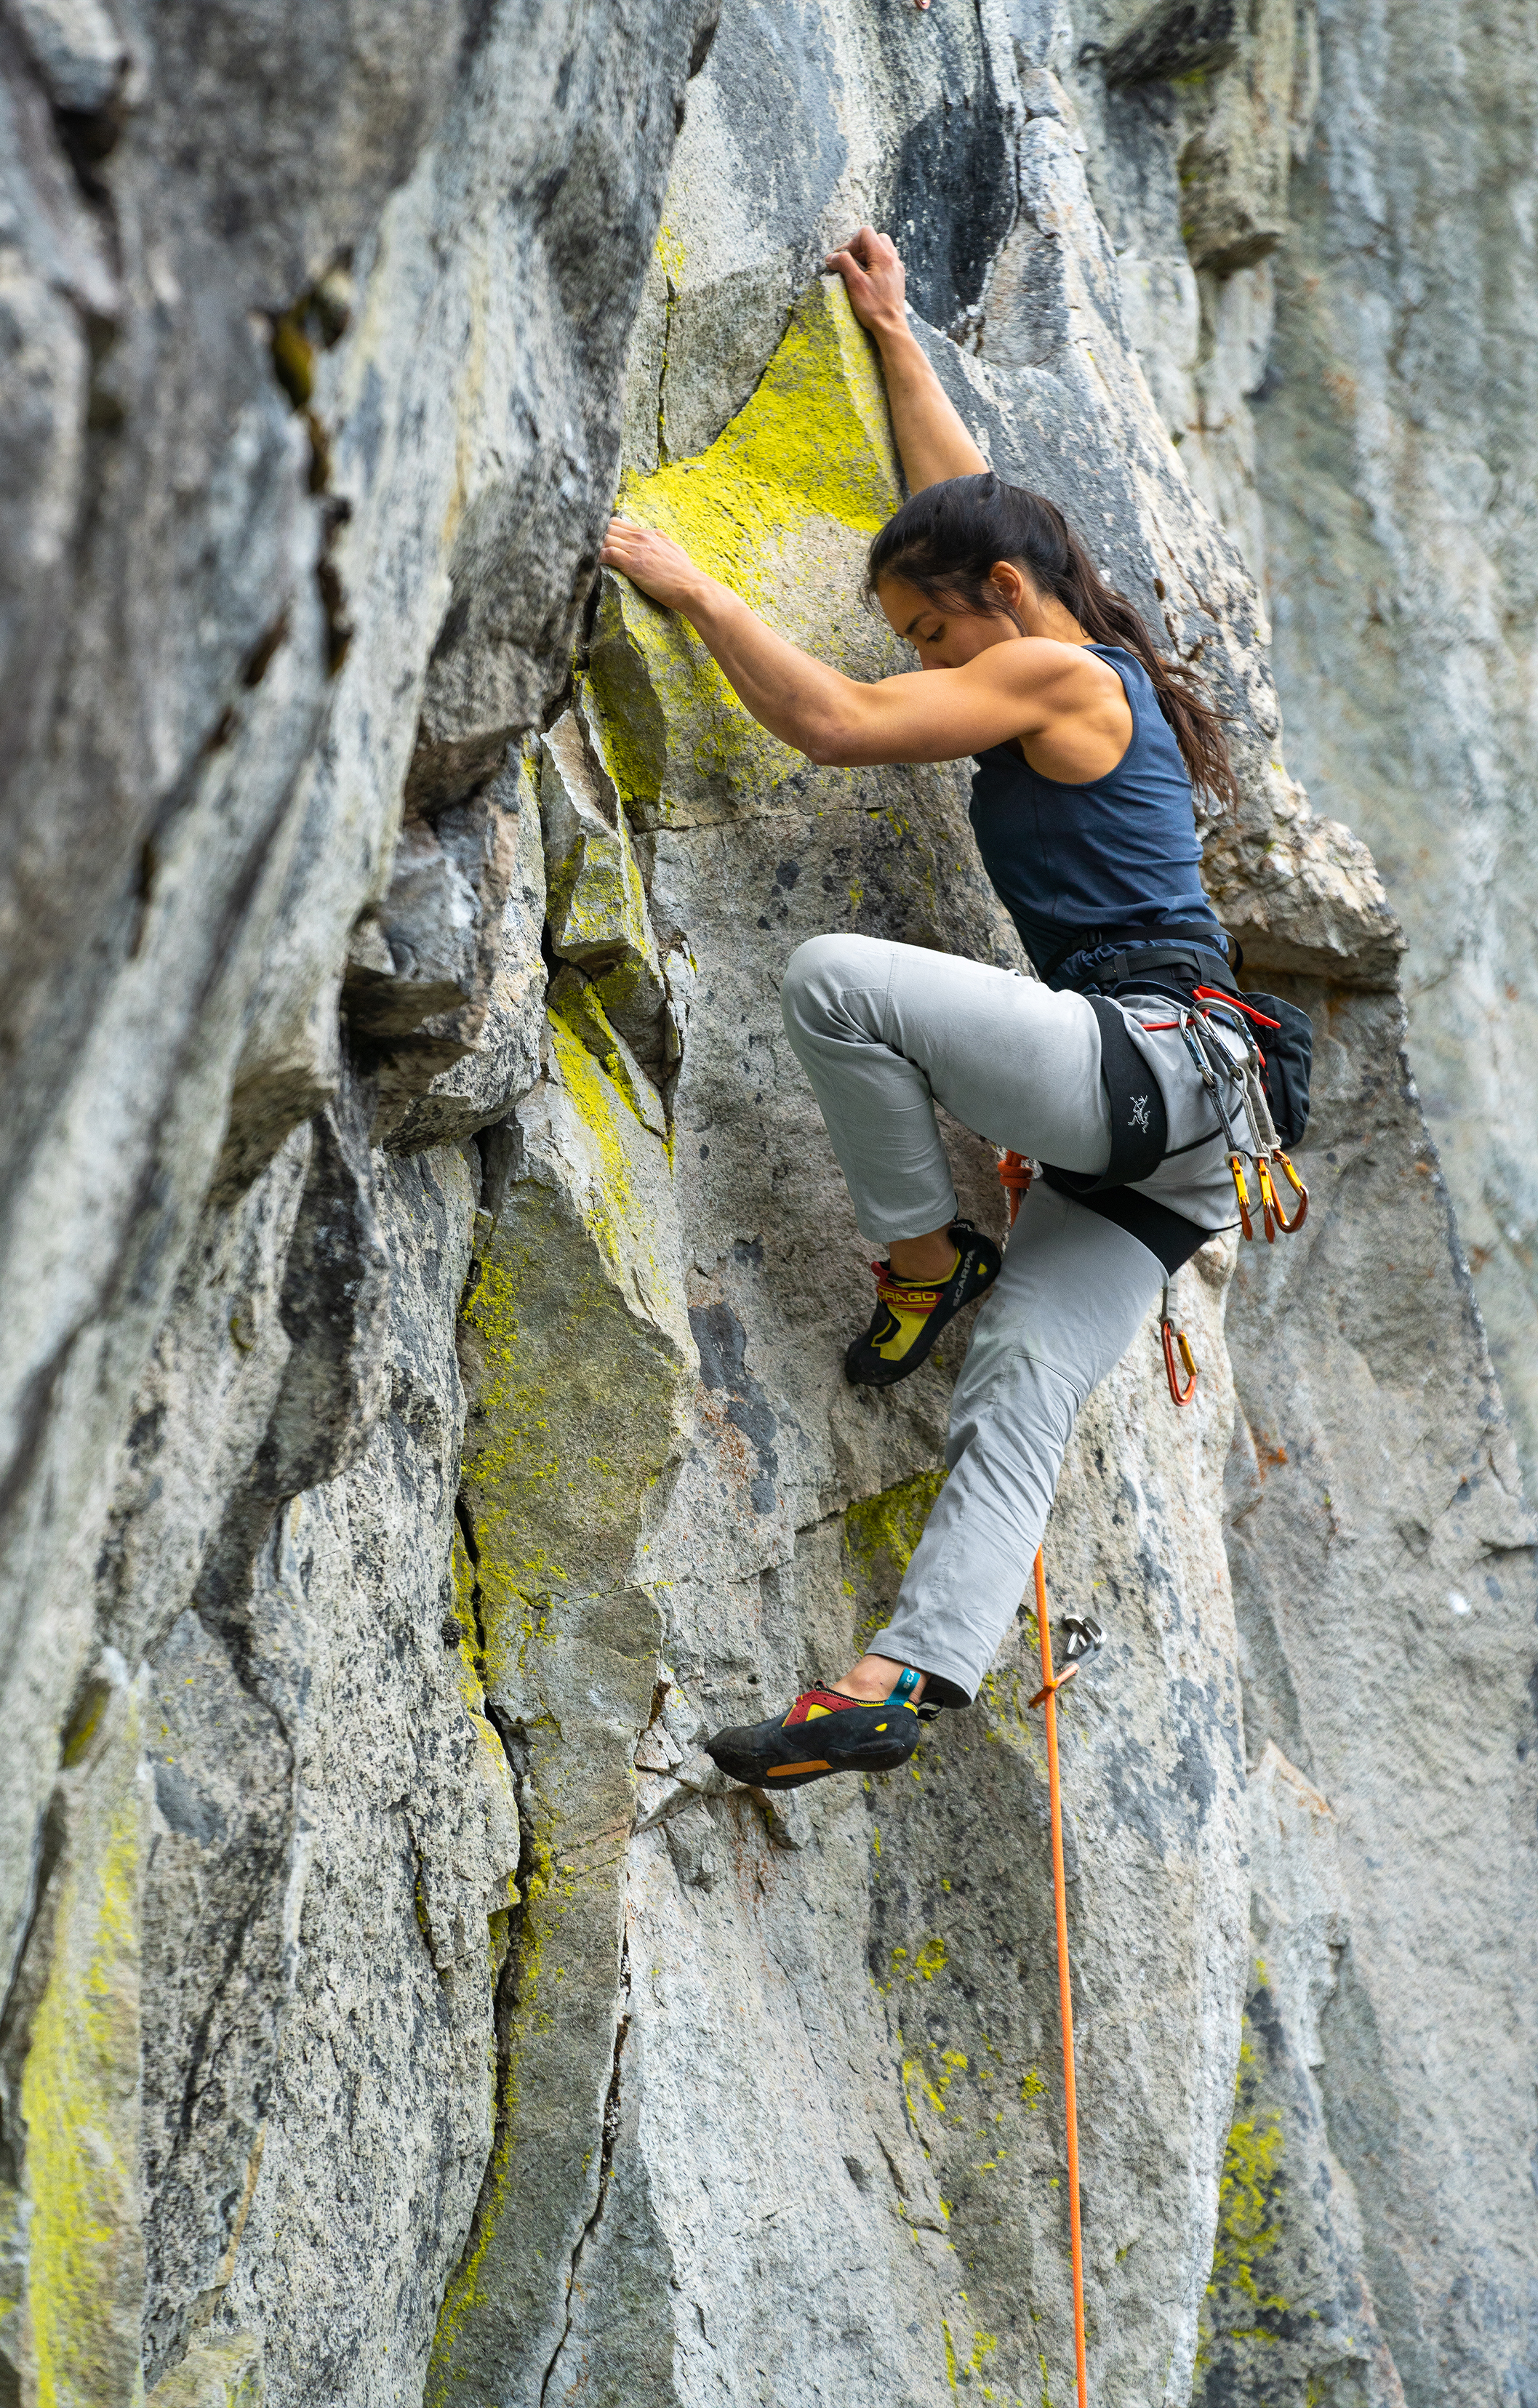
1112, 861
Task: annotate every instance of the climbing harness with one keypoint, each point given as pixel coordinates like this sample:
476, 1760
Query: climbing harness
1246, 1090
1084, 1638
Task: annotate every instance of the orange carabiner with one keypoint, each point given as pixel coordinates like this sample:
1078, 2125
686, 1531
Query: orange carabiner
1300, 1191
1171, 1338
1241, 1189
1015, 1177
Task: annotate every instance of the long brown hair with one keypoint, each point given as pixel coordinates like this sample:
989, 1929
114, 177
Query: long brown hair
946, 540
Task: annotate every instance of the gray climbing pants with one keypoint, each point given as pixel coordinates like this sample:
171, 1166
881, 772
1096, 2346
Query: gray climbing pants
883, 1031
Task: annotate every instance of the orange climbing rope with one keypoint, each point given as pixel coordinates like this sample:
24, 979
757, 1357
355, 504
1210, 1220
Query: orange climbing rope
1014, 1174
1047, 1697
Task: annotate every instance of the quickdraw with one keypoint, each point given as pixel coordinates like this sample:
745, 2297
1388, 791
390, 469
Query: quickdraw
1181, 1392
1082, 1639
1242, 1083
1015, 1177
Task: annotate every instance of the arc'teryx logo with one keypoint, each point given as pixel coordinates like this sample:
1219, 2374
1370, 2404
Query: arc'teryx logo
1142, 1119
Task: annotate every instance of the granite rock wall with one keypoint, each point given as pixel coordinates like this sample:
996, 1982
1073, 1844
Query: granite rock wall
1394, 459
1342, 355
428, 1280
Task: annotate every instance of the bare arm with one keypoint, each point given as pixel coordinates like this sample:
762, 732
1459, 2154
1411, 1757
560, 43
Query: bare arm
1016, 688
931, 439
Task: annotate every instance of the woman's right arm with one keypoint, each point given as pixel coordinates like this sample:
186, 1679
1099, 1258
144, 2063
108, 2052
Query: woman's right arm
933, 443
1017, 687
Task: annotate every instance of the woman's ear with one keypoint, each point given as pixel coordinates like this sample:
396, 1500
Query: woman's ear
1013, 588
1017, 593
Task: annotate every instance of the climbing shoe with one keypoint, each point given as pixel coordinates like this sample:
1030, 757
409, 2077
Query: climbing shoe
910, 1313
824, 1732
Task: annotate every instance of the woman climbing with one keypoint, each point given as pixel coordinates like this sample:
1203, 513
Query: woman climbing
1086, 746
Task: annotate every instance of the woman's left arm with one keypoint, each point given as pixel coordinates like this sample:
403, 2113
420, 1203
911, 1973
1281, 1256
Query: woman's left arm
836, 721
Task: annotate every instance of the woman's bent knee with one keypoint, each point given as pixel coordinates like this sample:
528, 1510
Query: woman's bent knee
821, 972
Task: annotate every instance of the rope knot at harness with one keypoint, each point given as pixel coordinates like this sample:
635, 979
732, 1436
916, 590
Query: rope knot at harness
1014, 1176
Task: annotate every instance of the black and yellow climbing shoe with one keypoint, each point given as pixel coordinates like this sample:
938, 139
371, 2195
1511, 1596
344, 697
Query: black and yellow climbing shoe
824, 1732
910, 1313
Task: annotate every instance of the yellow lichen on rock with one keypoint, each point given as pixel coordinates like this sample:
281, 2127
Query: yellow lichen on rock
576, 1350
815, 441
581, 1012
880, 1534
578, 1340
461, 1580
215, 2374
1240, 2302
597, 913
884, 1529
595, 902
779, 507
80, 2082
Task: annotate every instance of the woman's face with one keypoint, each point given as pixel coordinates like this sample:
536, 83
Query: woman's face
945, 638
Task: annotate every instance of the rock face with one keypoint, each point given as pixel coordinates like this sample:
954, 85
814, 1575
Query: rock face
1342, 346
1394, 443
429, 1273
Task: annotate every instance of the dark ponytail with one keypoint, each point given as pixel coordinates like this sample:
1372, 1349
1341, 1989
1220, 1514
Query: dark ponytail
945, 542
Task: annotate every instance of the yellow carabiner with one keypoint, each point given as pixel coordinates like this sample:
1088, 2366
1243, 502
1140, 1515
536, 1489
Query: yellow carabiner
1241, 1189
1268, 1199
1300, 1191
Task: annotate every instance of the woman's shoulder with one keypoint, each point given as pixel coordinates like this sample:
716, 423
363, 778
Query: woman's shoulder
1117, 656
1137, 685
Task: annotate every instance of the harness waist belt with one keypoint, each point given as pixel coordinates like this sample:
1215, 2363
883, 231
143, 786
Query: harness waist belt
1087, 942
1141, 965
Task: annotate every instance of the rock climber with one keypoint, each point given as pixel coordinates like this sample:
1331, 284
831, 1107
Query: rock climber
1088, 746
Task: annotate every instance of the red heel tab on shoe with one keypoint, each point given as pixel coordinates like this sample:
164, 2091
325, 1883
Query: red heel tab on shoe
813, 1702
